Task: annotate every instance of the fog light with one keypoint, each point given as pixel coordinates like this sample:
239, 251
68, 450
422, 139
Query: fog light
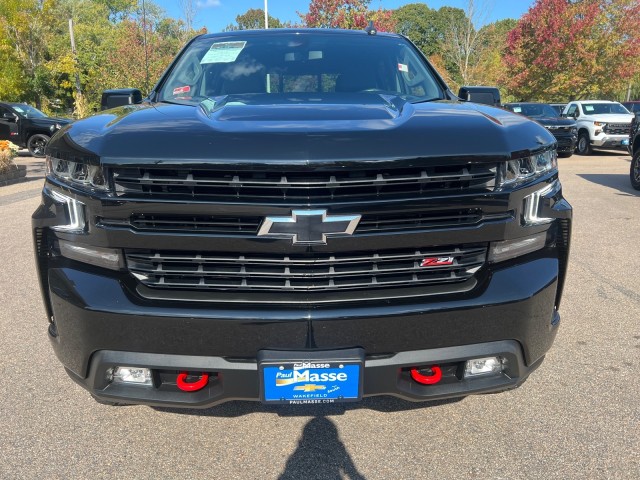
507, 249
98, 256
135, 375
483, 366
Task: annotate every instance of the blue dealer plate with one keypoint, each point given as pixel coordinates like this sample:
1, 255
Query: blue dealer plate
625, 142
315, 381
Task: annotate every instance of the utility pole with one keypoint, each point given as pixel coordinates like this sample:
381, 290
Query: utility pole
75, 56
146, 53
266, 15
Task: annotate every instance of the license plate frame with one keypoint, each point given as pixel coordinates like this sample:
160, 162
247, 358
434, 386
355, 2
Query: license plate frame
312, 377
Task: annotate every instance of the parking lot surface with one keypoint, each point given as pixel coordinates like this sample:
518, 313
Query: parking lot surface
578, 416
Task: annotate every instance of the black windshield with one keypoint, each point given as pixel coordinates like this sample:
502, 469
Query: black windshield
308, 63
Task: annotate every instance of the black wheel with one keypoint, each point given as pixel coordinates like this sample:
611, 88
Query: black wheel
565, 154
37, 143
584, 144
634, 172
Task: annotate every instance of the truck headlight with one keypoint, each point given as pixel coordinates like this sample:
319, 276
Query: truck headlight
524, 169
78, 174
599, 124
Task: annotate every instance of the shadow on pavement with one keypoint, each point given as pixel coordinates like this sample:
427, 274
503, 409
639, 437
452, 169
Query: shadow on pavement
617, 181
320, 454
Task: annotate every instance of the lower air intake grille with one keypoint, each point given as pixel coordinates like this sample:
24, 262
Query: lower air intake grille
320, 272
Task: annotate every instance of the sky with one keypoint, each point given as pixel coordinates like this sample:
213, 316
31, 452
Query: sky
217, 14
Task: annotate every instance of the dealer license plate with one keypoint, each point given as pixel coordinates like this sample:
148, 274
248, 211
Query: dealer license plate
625, 142
326, 377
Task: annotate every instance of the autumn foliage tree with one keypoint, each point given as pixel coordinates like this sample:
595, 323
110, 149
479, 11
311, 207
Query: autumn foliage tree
253, 19
348, 14
565, 49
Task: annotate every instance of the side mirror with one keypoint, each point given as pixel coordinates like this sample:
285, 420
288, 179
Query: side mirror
119, 97
9, 116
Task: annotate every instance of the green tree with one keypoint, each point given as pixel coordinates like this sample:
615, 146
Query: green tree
253, 19
25, 25
489, 67
420, 24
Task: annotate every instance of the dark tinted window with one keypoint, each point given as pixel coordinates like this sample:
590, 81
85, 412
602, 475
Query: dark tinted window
534, 110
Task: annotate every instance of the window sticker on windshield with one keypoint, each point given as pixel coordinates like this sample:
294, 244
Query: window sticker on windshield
223, 52
180, 90
18, 109
403, 68
517, 109
588, 108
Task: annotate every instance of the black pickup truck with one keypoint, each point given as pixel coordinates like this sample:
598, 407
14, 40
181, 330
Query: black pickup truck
28, 127
301, 216
564, 129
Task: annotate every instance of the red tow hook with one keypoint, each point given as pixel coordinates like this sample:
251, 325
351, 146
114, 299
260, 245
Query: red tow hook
435, 377
182, 384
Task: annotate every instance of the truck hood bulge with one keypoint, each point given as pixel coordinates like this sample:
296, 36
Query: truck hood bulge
299, 131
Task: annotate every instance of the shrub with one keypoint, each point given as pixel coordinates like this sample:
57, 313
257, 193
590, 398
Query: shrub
8, 151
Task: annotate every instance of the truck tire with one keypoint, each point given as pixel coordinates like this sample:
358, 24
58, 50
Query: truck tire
634, 172
584, 144
37, 143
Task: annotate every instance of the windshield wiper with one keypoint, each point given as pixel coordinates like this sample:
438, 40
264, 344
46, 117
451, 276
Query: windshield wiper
428, 100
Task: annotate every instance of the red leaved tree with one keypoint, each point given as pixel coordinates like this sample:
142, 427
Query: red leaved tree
349, 14
563, 49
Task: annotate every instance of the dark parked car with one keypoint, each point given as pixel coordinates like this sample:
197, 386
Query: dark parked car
301, 216
558, 107
634, 150
28, 127
633, 106
564, 129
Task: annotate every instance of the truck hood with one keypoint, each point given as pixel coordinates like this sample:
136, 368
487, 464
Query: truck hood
555, 121
364, 127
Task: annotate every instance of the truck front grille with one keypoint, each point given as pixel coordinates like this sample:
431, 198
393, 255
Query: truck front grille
401, 221
303, 186
304, 272
617, 128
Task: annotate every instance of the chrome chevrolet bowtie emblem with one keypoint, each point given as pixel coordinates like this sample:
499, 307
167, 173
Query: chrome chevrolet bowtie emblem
308, 227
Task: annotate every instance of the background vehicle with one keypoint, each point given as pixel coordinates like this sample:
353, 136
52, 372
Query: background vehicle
601, 124
633, 106
558, 107
563, 129
634, 150
296, 205
480, 94
28, 127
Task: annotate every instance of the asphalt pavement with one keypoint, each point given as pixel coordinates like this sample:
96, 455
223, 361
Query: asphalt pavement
577, 417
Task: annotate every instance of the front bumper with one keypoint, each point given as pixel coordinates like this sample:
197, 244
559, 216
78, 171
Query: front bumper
97, 325
98, 315
610, 141
238, 380
566, 143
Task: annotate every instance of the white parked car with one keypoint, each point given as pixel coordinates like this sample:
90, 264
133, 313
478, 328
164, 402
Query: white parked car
601, 124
